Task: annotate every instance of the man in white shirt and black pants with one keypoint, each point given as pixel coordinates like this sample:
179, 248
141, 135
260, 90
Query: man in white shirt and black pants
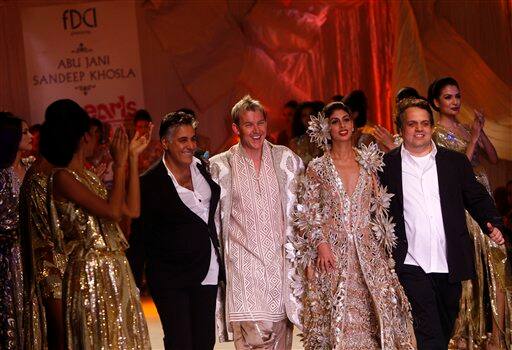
432, 186
175, 239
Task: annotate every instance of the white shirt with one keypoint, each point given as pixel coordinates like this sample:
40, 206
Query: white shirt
198, 201
422, 212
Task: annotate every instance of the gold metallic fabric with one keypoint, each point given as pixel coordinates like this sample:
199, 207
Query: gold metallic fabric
101, 304
11, 276
44, 261
491, 262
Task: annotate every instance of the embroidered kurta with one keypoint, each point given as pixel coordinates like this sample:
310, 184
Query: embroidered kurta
254, 215
491, 263
256, 240
361, 304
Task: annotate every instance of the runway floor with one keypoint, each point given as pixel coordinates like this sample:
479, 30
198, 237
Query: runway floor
156, 334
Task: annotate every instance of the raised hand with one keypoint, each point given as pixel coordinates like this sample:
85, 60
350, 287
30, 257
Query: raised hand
495, 234
479, 114
100, 169
326, 260
139, 142
476, 128
383, 137
119, 147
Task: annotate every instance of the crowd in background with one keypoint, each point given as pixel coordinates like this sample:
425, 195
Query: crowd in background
118, 158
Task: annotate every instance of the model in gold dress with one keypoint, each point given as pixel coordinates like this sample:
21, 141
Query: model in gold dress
81, 272
494, 278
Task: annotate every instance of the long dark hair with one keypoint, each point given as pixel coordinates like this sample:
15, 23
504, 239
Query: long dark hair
357, 102
64, 125
10, 137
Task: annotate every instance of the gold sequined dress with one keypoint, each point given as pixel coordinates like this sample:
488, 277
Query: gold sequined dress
361, 304
11, 276
43, 260
101, 304
491, 263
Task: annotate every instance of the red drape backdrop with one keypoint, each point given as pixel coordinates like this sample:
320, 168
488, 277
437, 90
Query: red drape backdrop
205, 55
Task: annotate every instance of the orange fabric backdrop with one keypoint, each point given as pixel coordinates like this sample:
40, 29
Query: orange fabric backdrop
207, 54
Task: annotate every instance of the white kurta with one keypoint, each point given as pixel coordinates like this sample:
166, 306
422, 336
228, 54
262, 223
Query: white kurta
256, 239
287, 167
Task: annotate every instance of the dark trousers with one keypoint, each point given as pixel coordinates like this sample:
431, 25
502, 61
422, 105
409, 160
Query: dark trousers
187, 316
435, 305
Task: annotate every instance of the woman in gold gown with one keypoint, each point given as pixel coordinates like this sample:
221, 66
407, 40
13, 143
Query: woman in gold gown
79, 261
43, 265
494, 278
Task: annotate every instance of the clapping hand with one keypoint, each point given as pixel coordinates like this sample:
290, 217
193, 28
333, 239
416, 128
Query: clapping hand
139, 142
479, 115
119, 148
478, 125
100, 170
495, 234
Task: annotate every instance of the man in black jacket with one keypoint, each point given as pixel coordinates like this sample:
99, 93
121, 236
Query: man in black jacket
432, 187
175, 239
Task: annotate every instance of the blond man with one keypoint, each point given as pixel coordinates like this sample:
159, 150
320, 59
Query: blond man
257, 182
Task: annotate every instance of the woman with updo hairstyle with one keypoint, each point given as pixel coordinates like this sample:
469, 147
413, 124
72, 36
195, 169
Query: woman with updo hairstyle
342, 246
84, 269
14, 140
493, 284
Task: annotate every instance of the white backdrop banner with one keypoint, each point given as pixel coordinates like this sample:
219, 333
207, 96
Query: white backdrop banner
88, 52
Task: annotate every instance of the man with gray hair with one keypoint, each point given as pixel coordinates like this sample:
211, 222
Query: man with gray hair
257, 182
175, 238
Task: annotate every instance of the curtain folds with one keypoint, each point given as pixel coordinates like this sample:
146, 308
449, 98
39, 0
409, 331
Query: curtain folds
207, 54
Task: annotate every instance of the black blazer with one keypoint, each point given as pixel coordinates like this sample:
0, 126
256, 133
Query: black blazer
458, 190
169, 241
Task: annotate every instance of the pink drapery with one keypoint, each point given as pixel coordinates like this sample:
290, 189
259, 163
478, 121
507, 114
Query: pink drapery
358, 52
468, 40
284, 50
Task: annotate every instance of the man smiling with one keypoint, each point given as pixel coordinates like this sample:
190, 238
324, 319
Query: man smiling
175, 239
257, 194
432, 186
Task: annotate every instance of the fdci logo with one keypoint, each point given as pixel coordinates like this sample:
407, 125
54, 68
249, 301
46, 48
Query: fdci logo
75, 19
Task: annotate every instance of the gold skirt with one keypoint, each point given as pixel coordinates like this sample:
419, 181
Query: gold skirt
103, 308
493, 275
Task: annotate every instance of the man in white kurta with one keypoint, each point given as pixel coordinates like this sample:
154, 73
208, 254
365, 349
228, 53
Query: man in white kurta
257, 182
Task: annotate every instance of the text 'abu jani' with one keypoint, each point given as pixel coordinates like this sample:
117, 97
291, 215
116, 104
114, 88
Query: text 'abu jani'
92, 61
